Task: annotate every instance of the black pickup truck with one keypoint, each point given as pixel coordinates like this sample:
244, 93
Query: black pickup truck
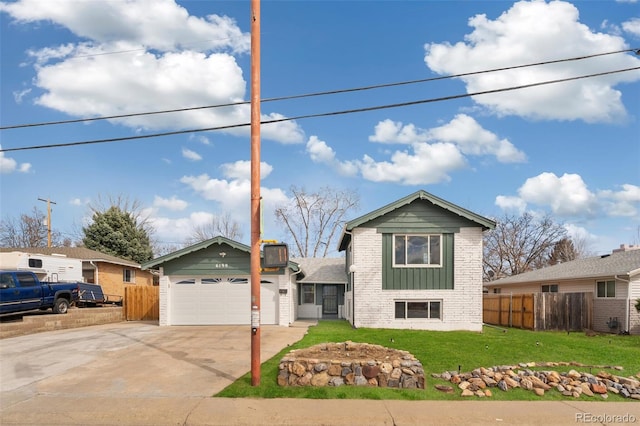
22, 291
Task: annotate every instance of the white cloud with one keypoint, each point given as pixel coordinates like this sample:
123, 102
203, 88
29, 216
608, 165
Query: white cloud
425, 164
526, 33
472, 139
463, 131
165, 57
156, 24
241, 170
566, 195
622, 203
79, 201
632, 26
9, 165
511, 203
569, 196
234, 196
191, 155
172, 203
388, 131
322, 153
204, 140
19, 95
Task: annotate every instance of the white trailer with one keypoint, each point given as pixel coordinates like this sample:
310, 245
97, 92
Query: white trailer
48, 268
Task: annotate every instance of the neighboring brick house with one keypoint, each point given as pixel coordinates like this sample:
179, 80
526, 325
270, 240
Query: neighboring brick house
110, 272
613, 279
415, 263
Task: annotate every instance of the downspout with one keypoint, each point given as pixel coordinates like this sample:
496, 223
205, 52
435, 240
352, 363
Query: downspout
352, 278
627, 312
294, 303
96, 276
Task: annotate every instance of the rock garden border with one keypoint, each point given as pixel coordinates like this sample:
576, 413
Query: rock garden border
351, 364
571, 383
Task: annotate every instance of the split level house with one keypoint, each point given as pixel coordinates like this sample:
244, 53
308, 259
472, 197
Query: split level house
611, 281
414, 263
112, 273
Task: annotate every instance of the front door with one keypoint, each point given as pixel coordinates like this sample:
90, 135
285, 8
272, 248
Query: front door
330, 299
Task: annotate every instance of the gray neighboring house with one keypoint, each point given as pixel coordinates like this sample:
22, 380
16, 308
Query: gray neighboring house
613, 279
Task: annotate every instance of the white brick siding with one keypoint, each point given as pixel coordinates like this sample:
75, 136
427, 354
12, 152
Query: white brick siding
375, 307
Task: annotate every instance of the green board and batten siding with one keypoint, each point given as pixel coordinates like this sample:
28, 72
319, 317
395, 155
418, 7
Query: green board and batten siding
418, 217
209, 262
417, 278
206, 259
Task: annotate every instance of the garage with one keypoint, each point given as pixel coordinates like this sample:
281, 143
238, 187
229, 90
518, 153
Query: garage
209, 283
220, 300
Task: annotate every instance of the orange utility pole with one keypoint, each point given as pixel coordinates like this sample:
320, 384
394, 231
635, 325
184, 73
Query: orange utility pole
49, 202
255, 192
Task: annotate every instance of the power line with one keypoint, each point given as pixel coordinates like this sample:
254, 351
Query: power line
314, 94
326, 114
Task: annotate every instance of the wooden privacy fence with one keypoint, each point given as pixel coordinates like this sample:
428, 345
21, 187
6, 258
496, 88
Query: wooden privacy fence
141, 303
539, 311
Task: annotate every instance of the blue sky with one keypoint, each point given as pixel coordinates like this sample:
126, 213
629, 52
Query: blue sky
569, 149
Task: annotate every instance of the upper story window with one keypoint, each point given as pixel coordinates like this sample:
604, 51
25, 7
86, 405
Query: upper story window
417, 250
606, 288
129, 275
550, 288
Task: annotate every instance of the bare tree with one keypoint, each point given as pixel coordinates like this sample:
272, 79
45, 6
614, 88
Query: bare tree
313, 220
519, 244
29, 230
218, 226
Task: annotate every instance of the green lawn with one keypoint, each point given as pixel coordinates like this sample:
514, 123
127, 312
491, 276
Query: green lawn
446, 351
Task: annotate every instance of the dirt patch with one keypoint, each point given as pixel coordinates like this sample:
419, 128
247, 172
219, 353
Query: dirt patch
345, 351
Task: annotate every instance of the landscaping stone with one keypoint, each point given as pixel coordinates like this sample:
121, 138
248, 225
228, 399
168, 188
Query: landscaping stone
571, 383
351, 364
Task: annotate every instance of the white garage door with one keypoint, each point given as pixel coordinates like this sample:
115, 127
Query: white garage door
213, 301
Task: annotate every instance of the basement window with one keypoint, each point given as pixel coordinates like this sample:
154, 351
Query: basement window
406, 309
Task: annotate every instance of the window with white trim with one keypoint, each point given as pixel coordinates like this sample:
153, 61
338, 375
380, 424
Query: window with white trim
129, 275
606, 288
308, 294
550, 288
420, 250
406, 309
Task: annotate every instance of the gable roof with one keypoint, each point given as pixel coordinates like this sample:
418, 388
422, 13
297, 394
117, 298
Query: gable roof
482, 221
81, 253
625, 263
201, 246
322, 270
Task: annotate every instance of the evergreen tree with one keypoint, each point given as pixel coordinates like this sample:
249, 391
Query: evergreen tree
116, 232
563, 251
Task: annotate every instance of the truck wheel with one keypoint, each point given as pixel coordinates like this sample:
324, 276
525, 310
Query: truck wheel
61, 306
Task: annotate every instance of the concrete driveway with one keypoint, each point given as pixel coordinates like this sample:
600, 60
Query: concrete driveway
131, 360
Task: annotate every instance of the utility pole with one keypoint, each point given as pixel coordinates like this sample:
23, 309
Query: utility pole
255, 192
49, 202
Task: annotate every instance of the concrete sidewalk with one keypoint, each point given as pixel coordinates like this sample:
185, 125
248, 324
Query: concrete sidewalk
52, 410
